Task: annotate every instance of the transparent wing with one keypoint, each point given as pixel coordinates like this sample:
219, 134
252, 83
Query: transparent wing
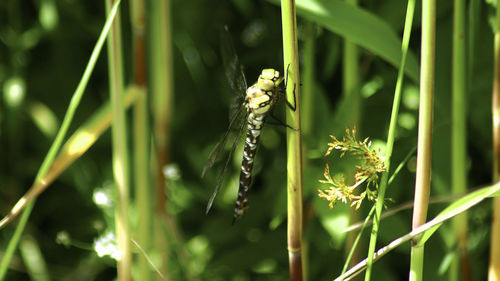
220, 145
221, 176
237, 81
232, 66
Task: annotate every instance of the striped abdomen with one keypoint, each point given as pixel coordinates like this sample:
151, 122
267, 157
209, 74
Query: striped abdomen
253, 133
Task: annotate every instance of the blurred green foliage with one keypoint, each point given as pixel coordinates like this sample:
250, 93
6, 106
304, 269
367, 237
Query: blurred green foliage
44, 46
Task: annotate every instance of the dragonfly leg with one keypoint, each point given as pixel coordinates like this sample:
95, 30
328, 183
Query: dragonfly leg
294, 106
280, 123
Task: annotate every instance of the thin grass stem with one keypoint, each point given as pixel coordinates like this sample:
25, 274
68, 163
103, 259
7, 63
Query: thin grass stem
56, 145
354, 245
391, 136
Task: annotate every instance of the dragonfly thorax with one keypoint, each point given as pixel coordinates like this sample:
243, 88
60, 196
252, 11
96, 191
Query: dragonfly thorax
262, 95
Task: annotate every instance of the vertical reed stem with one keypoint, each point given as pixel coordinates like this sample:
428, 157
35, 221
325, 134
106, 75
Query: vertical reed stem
294, 141
141, 146
422, 184
161, 93
120, 151
459, 140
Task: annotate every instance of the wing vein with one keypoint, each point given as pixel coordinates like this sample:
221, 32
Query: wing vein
218, 148
221, 176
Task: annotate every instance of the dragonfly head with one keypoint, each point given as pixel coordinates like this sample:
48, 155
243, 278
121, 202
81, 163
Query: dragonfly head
269, 79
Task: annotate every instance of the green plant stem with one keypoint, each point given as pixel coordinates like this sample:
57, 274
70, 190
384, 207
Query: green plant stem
56, 145
120, 151
138, 24
161, 92
459, 140
356, 241
390, 137
161, 89
416, 263
294, 141
424, 144
493, 270
142, 163
33, 259
142, 184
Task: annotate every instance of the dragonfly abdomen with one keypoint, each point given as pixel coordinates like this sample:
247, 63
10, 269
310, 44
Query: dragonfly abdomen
253, 133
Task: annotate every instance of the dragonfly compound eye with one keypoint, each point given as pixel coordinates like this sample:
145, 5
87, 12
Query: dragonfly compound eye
268, 73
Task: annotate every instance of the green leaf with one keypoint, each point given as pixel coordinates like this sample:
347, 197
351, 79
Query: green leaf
459, 206
360, 27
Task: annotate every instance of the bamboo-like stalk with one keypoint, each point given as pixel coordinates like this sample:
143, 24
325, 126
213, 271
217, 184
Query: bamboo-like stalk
384, 181
494, 266
460, 267
54, 148
424, 144
294, 141
161, 89
142, 184
120, 151
138, 23
161, 93
142, 167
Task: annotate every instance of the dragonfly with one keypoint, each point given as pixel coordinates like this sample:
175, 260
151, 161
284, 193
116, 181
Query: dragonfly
255, 104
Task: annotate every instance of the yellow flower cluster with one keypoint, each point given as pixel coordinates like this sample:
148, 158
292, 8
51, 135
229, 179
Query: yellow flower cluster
367, 172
